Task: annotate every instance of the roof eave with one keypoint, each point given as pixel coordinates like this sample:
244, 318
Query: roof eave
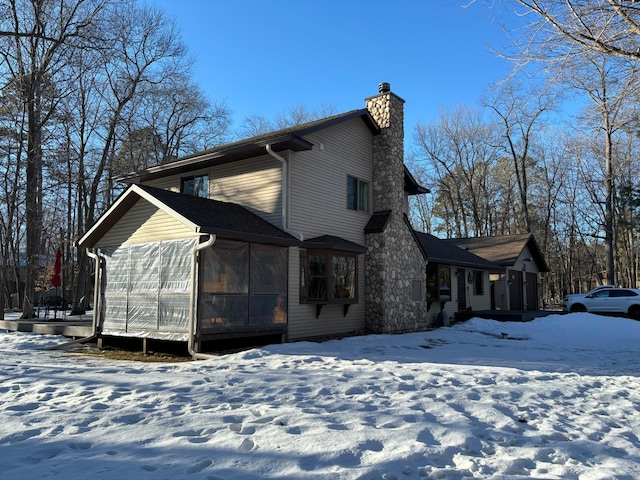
220, 156
251, 237
411, 185
493, 268
282, 140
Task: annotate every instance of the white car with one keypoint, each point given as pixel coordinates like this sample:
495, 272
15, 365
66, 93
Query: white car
605, 300
590, 292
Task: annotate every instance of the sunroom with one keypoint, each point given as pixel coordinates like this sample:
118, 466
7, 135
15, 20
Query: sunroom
183, 268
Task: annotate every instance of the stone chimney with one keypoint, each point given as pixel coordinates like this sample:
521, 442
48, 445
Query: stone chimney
395, 267
387, 109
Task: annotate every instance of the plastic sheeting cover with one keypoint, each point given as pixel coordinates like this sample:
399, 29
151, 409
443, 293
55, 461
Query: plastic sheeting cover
147, 287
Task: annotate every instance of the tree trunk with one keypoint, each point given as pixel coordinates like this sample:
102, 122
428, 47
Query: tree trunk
33, 199
608, 214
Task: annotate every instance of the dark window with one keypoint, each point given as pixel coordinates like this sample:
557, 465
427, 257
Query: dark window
328, 277
622, 293
197, 186
357, 194
478, 282
317, 279
438, 282
343, 277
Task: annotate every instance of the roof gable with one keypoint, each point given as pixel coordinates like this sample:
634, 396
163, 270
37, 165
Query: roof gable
201, 215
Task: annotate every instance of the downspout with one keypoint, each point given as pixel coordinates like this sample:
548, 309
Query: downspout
285, 193
193, 297
97, 297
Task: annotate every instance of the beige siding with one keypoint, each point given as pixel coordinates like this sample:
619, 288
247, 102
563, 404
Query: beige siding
143, 223
528, 265
254, 183
318, 206
318, 193
483, 302
475, 302
166, 183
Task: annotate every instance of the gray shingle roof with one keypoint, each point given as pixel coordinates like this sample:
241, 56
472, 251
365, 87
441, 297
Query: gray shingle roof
331, 242
502, 249
286, 139
378, 222
226, 220
443, 252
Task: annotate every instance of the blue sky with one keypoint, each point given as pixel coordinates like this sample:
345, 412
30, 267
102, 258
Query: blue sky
265, 56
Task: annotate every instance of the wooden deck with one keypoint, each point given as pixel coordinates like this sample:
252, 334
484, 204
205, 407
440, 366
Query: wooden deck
72, 327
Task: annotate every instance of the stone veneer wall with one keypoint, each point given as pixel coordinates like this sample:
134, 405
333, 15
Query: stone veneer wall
393, 259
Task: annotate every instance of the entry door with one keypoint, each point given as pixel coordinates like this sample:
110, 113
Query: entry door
462, 290
532, 291
515, 290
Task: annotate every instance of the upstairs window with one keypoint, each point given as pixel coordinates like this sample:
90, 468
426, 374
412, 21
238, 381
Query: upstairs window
195, 185
357, 194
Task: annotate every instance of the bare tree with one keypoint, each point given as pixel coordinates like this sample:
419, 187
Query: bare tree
181, 117
520, 111
563, 28
459, 152
38, 37
612, 85
581, 44
85, 83
627, 210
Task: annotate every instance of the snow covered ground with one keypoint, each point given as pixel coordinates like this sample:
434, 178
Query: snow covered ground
555, 398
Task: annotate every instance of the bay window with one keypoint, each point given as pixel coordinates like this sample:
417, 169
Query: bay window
328, 277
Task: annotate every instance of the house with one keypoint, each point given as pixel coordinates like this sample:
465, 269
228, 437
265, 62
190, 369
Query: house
518, 288
457, 280
301, 233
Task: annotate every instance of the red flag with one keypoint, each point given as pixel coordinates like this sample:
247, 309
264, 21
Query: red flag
55, 280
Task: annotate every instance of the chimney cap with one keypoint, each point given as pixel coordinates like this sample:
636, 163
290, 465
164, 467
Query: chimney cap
384, 87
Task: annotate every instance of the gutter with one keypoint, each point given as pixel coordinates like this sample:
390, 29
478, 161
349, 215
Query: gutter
285, 193
193, 297
97, 307
97, 298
